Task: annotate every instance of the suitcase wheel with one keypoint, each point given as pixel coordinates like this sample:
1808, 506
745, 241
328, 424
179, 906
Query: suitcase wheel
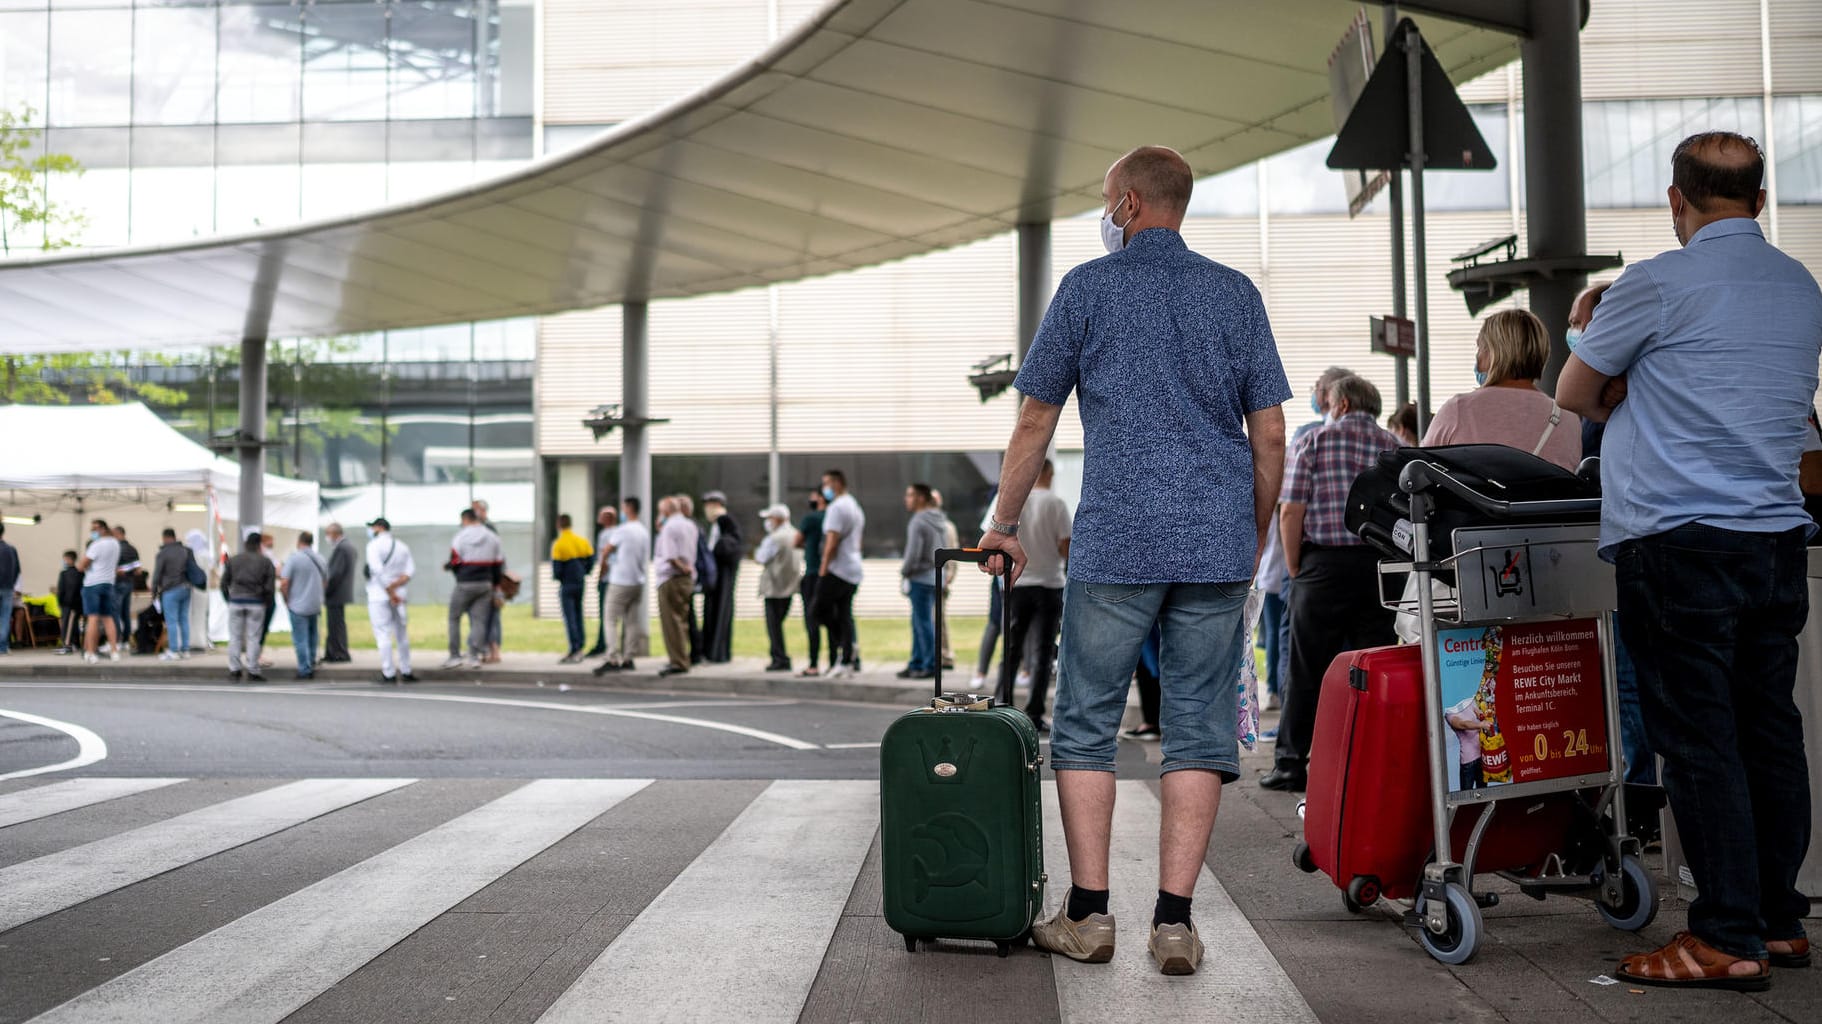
1302, 857
910, 943
1361, 893
1002, 949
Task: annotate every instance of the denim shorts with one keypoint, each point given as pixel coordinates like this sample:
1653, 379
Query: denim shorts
1104, 626
98, 600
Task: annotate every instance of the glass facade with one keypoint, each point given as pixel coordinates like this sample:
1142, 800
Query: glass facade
193, 117
197, 117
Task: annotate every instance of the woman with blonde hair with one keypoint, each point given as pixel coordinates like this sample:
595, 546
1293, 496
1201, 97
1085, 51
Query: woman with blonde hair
1507, 408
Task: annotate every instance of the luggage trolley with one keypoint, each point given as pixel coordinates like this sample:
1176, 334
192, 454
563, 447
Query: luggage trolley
1525, 593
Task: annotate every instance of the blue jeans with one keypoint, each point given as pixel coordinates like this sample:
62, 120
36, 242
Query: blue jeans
923, 627
1272, 627
176, 604
1712, 618
123, 609
1104, 628
6, 619
303, 637
570, 598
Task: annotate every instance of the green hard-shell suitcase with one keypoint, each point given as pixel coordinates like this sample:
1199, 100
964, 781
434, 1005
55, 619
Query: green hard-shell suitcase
961, 824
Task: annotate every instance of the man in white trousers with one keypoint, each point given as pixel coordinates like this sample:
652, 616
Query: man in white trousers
389, 569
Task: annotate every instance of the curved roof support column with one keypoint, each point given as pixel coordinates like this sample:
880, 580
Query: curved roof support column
250, 440
635, 446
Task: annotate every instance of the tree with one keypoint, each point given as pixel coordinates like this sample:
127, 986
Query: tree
25, 194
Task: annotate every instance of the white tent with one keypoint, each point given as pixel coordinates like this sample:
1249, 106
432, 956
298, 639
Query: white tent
84, 449
69, 464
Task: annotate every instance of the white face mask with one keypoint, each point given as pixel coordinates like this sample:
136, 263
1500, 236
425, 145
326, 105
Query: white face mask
1113, 236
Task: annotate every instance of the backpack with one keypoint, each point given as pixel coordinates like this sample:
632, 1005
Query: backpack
707, 574
193, 574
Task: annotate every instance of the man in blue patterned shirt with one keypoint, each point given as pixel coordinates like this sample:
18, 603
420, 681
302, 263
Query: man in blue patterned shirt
1172, 362
1335, 603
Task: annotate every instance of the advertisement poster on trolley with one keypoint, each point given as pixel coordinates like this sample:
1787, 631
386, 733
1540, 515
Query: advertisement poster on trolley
1525, 702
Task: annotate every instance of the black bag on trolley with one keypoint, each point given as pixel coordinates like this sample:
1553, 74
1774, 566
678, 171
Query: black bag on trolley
1379, 512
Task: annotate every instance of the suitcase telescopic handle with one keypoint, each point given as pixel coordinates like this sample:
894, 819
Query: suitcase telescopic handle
979, 556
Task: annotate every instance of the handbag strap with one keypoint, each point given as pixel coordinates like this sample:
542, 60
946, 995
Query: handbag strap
1556, 416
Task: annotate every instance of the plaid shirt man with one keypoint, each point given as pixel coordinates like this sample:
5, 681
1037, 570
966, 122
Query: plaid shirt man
1321, 470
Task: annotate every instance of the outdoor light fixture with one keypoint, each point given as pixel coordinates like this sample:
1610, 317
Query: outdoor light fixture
32, 520
1492, 271
602, 420
189, 506
994, 375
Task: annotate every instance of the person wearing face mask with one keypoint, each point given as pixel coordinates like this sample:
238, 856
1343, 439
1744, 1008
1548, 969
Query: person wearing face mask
809, 541
100, 566
1506, 407
1702, 515
1581, 313
1180, 389
839, 570
389, 568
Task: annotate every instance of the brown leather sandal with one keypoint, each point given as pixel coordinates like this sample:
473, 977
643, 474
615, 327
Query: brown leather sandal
1688, 962
1792, 954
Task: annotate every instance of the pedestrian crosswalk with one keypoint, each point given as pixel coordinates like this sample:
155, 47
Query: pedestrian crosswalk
770, 908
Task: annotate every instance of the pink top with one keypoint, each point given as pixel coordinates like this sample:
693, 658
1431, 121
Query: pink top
1508, 416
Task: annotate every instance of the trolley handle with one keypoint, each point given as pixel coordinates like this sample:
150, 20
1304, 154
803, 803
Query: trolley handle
979, 556
1422, 476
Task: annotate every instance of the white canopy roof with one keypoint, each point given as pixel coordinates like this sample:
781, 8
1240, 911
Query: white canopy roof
428, 504
87, 448
878, 130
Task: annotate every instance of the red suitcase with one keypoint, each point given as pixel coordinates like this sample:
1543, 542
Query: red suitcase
1367, 819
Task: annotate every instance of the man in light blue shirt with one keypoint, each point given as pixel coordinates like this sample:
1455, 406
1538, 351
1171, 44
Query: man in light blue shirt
1703, 362
1172, 363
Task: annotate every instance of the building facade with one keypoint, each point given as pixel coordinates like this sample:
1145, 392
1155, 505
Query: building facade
216, 115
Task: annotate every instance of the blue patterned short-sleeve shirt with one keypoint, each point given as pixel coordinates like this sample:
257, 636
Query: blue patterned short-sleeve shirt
1166, 352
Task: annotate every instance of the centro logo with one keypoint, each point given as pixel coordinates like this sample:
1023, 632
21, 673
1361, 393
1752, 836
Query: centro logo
1462, 646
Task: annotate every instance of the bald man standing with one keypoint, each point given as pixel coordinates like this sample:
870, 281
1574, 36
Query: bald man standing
1179, 383
1717, 343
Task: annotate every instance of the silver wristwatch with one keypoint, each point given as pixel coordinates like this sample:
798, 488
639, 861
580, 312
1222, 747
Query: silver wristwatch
1009, 529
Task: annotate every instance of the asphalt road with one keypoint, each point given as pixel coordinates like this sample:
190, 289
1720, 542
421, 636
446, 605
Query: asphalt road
209, 729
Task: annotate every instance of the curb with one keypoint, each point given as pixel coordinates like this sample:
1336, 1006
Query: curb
792, 687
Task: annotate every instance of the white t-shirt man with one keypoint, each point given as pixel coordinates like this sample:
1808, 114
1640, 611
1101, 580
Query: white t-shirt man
632, 557
846, 518
104, 561
388, 560
1043, 527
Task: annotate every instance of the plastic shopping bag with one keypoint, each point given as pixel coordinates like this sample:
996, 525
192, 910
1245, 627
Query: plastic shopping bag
1248, 703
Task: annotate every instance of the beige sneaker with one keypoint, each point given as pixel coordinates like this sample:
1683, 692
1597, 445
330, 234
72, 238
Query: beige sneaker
1089, 940
1176, 948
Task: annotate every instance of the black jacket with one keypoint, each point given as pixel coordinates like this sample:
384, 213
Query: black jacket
69, 589
170, 569
338, 588
9, 570
729, 547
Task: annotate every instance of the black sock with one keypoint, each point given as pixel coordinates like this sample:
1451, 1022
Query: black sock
1083, 902
1171, 909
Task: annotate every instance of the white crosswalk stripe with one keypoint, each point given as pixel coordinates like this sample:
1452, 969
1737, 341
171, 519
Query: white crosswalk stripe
44, 801
34, 888
267, 964
739, 935
1243, 978
743, 931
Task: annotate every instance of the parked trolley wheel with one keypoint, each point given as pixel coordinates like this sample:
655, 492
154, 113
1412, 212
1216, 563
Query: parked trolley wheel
1362, 892
1461, 939
1305, 861
1638, 897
